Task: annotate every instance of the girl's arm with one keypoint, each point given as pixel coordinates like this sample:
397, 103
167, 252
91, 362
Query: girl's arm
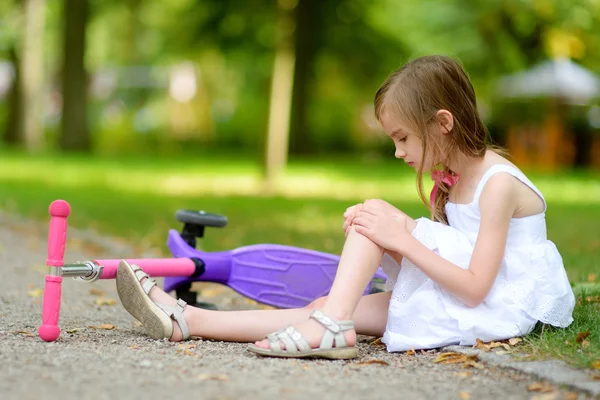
497, 205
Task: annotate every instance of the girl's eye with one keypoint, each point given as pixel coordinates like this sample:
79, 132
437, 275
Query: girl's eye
402, 139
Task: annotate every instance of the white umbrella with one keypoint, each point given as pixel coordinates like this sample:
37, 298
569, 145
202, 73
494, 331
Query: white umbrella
560, 78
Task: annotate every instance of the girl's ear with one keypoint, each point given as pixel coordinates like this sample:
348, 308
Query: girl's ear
445, 121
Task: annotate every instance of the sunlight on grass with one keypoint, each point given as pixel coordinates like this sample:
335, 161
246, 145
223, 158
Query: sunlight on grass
244, 178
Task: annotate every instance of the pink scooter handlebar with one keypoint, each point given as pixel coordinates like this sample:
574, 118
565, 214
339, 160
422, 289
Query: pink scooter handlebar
57, 235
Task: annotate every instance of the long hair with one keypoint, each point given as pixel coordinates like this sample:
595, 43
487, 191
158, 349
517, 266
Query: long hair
414, 94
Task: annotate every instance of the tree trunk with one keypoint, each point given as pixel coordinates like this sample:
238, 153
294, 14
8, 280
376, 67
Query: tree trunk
280, 100
14, 131
32, 74
306, 44
75, 134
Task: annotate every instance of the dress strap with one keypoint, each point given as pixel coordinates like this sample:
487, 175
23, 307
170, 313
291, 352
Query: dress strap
510, 170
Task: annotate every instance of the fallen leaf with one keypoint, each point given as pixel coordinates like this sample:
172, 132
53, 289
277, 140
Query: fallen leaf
189, 353
596, 377
134, 347
101, 301
106, 327
377, 342
463, 374
545, 396
585, 344
97, 292
206, 377
464, 395
22, 332
452, 357
370, 362
581, 336
596, 364
514, 341
73, 330
591, 277
411, 352
542, 387
571, 396
472, 363
36, 292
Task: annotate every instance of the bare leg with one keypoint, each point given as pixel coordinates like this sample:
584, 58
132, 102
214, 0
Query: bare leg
358, 263
370, 318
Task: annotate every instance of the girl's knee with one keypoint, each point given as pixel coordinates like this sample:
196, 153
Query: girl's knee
318, 303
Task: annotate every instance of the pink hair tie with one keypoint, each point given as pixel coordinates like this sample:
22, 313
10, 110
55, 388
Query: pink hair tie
439, 177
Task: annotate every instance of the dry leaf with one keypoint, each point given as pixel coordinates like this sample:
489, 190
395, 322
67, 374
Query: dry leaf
377, 342
463, 374
471, 363
106, 327
596, 377
35, 292
571, 396
22, 332
596, 364
464, 395
189, 353
96, 292
134, 347
101, 301
452, 357
591, 277
514, 341
206, 377
74, 330
370, 362
585, 344
542, 387
545, 396
581, 336
411, 352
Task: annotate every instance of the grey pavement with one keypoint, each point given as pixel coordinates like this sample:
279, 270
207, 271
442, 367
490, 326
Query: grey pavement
88, 362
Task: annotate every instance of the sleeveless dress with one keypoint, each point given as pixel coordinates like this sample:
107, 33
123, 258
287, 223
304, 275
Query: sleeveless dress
531, 285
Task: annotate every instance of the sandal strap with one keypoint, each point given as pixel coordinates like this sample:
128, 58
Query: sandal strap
140, 274
176, 314
292, 339
334, 333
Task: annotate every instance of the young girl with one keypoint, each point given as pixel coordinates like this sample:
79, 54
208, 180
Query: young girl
481, 267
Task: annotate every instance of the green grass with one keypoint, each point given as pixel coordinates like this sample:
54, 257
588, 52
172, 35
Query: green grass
135, 198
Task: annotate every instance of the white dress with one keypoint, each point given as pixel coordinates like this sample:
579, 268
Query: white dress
531, 285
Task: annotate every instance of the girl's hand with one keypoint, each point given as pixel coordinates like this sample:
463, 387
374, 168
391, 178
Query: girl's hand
349, 216
383, 223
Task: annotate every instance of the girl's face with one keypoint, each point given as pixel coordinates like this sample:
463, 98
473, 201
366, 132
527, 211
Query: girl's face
409, 146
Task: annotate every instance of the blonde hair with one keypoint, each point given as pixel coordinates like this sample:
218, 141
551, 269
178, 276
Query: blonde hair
415, 93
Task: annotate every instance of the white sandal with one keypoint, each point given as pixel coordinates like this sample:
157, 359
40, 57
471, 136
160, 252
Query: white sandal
156, 318
297, 347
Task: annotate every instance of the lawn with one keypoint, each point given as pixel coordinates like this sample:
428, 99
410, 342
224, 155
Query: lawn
135, 198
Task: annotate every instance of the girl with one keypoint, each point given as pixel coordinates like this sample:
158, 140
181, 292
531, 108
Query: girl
481, 267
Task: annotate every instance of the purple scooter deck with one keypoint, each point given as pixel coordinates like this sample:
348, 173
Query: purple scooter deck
281, 276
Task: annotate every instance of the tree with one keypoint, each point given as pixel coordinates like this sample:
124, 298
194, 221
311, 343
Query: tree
75, 134
30, 72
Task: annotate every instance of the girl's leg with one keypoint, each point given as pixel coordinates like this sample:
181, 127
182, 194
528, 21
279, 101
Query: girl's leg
359, 261
370, 318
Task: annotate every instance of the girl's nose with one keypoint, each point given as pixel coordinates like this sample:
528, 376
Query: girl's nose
400, 153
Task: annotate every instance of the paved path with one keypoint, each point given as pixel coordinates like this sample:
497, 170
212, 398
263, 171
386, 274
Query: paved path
121, 363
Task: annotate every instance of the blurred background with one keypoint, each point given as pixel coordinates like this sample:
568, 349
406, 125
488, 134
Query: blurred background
262, 109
